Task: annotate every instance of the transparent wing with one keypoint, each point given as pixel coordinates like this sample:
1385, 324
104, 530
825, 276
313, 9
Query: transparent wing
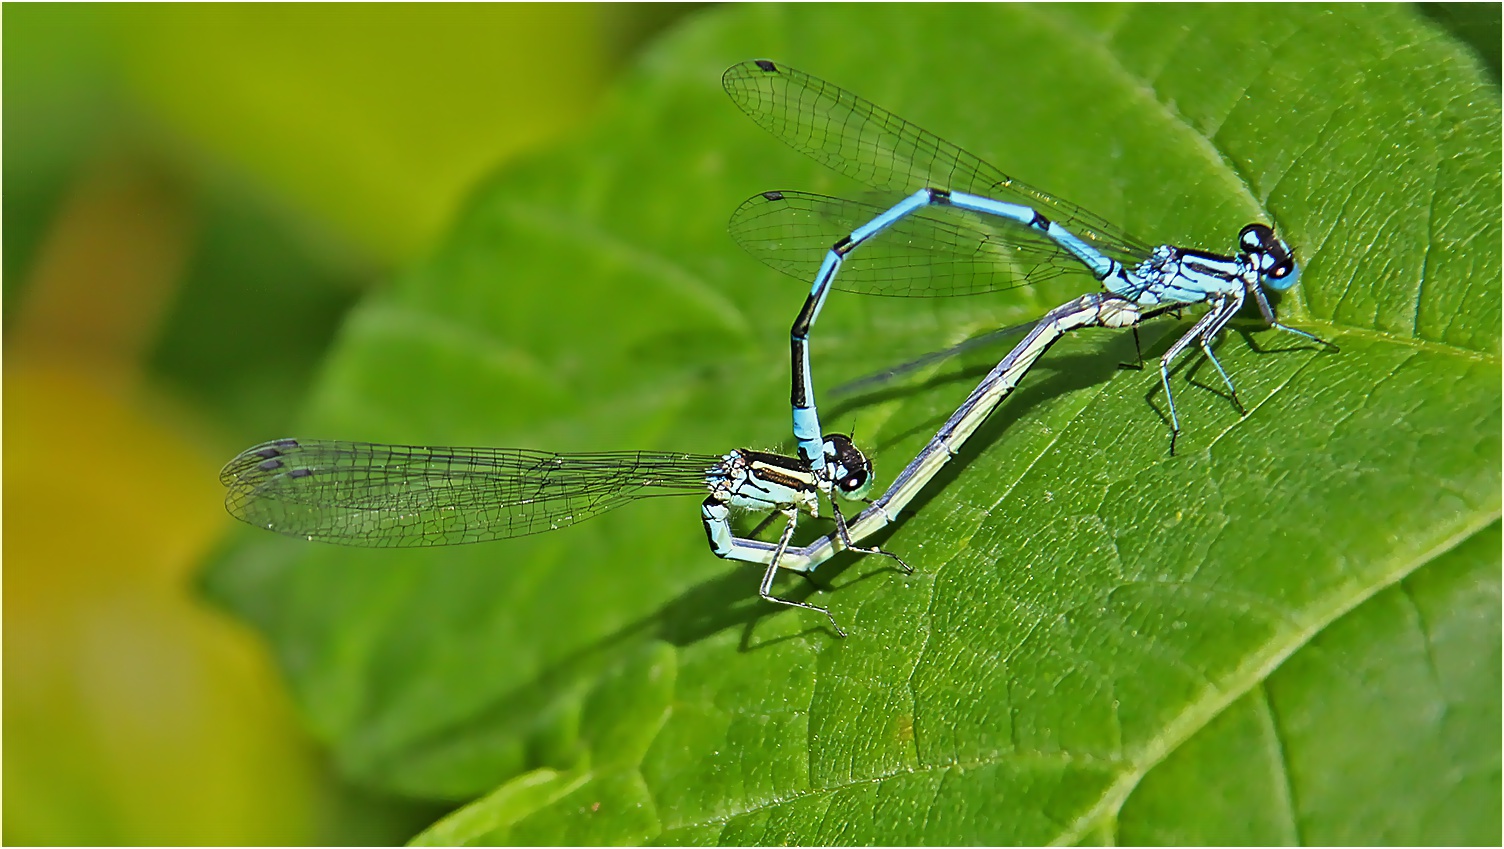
873, 146
992, 337
940, 251
397, 496
879, 379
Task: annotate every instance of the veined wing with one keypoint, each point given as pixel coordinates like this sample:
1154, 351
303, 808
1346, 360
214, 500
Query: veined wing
398, 496
874, 146
940, 251
991, 337
882, 378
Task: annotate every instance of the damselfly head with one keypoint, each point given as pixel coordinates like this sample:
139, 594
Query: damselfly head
850, 470
1270, 256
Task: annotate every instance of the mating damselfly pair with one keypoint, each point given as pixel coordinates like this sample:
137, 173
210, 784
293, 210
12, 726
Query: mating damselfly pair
961, 227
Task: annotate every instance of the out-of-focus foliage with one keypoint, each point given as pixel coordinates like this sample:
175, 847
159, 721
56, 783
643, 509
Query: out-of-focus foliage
1476, 24
194, 197
376, 117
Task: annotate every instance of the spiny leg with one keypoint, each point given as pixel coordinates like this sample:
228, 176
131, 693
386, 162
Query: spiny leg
1138, 348
1268, 312
846, 540
1225, 312
1180, 345
766, 589
1138, 354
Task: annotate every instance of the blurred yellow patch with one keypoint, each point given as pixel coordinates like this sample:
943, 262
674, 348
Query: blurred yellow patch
379, 117
133, 712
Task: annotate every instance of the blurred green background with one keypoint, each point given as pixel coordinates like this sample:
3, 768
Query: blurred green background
195, 195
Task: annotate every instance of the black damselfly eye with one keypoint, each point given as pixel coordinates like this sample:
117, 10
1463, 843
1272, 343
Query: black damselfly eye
1257, 238
853, 482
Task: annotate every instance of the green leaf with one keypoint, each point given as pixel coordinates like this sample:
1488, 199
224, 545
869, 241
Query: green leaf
1095, 629
1318, 753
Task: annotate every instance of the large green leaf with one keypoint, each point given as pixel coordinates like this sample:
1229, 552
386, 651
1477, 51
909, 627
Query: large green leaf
1287, 628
